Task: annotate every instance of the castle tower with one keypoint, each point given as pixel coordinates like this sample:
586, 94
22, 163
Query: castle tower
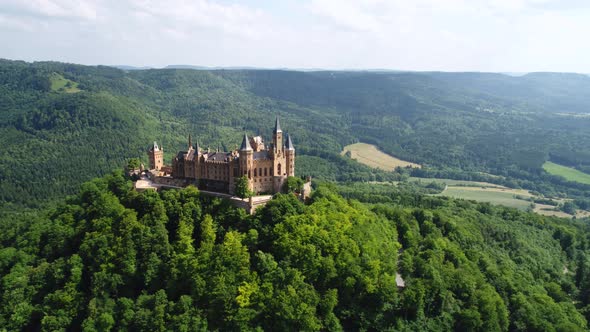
197, 161
277, 137
289, 156
246, 160
156, 156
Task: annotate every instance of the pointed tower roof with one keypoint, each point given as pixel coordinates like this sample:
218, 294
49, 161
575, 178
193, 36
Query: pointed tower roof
190, 141
277, 126
155, 147
197, 148
289, 145
245, 144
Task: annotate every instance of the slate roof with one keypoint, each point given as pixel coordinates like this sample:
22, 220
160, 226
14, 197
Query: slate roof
245, 144
261, 155
219, 156
289, 145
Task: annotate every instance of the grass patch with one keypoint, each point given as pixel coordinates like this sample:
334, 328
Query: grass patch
458, 183
569, 173
499, 196
371, 156
62, 84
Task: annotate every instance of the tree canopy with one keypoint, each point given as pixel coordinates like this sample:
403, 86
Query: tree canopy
110, 258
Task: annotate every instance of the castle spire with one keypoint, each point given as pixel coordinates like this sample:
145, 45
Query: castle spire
289, 145
190, 141
277, 126
197, 147
245, 144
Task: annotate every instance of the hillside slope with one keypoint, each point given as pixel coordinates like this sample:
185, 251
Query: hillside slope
110, 258
457, 125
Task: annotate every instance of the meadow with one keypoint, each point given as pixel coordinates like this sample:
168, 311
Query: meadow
62, 84
499, 196
371, 156
569, 173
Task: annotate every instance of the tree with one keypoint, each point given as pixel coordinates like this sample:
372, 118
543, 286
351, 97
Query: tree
243, 188
293, 184
133, 163
569, 207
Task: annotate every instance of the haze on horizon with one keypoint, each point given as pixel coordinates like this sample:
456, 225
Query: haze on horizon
449, 35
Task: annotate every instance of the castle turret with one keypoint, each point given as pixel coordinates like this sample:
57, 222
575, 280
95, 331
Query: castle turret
289, 156
246, 159
277, 137
156, 156
190, 142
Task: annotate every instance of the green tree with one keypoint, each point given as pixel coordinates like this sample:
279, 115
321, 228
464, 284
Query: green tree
293, 184
243, 187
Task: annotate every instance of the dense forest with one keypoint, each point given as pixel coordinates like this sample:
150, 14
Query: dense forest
110, 258
63, 124
79, 252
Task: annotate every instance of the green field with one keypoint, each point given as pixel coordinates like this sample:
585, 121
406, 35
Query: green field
493, 195
457, 183
569, 173
62, 84
371, 156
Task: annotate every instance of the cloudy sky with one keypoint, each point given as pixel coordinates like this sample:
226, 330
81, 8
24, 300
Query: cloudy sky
448, 35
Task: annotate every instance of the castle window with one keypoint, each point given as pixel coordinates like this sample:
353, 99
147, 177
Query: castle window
260, 171
255, 172
249, 175
279, 170
265, 171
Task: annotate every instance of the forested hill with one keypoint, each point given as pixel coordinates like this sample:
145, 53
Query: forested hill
110, 258
62, 124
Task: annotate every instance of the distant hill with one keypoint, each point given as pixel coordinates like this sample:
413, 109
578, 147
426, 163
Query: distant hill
457, 125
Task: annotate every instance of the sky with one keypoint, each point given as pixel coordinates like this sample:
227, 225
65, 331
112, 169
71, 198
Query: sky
422, 35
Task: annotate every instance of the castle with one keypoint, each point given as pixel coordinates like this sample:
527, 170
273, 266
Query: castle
266, 167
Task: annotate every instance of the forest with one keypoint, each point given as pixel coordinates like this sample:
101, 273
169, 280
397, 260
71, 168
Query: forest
111, 258
63, 124
81, 250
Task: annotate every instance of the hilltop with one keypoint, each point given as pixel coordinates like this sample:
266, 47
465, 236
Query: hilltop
110, 258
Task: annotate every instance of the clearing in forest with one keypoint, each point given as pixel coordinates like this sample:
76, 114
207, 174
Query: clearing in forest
62, 84
371, 156
569, 173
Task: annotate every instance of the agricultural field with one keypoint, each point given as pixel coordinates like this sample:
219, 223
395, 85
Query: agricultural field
62, 84
371, 156
495, 195
458, 183
569, 173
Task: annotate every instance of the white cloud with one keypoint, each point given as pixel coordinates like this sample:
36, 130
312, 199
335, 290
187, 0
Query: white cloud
57, 9
500, 35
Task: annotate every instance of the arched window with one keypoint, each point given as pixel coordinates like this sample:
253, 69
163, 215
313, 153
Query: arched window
249, 175
265, 171
255, 172
279, 170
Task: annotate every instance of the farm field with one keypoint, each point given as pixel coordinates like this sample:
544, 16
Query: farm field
569, 173
371, 156
498, 195
451, 182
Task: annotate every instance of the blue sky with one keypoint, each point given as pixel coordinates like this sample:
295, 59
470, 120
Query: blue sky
446, 35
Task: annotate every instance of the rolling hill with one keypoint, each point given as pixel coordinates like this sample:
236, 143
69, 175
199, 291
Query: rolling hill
455, 124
